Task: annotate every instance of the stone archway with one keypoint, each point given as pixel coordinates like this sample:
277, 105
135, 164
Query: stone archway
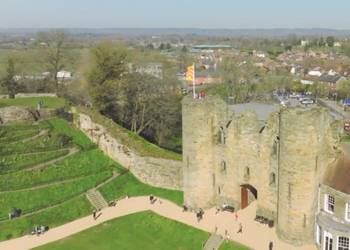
247, 192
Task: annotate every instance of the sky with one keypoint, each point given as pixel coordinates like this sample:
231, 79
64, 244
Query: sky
230, 14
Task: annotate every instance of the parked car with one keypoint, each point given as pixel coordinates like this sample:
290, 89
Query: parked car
294, 95
228, 208
307, 101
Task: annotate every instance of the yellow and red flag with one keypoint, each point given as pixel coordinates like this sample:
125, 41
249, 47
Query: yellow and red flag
190, 73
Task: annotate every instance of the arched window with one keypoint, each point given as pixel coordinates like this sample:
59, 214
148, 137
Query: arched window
272, 179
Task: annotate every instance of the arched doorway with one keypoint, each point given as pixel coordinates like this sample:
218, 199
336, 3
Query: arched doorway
248, 192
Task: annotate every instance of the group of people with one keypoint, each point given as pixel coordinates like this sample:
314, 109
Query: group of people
199, 214
38, 230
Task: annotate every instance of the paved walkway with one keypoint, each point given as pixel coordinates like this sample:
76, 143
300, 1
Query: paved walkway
214, 242
254, 235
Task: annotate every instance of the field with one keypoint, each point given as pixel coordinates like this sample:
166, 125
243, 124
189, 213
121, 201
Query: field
47, 167
144, 230
49, 102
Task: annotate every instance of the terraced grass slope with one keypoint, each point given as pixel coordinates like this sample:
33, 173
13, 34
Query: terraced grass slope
46, 168
42, 170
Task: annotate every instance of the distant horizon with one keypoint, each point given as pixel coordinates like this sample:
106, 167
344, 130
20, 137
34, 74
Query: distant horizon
181, 14
174, 28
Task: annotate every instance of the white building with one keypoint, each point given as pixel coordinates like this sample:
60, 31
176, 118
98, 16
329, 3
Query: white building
64, 75
314, 73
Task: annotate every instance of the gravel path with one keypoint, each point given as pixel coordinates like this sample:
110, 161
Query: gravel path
255, 235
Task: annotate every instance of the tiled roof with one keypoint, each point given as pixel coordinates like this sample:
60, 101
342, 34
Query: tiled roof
338, 175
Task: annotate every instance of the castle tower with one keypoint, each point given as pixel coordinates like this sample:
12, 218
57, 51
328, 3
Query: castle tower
201, 125
304, 152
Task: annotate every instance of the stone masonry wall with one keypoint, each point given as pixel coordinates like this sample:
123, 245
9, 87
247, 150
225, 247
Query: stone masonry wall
306, 150
286, 157
153, 171
15, 114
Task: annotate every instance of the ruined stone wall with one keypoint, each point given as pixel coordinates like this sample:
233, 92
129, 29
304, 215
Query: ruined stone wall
21, 114
153, 171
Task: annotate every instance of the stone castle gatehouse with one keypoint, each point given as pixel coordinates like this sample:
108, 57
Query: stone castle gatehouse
239, 153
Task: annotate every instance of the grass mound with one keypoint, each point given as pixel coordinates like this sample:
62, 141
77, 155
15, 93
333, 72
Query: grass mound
127, 184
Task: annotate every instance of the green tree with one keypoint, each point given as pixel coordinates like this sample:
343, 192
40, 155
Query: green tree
343, 89
330, 41
9, 82
106, 79
161, 46
146, 105
321, 42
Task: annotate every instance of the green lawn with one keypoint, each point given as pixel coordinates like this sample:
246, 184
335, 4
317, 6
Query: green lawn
146, 231
49, 102
345, 139
127, 184
8, 135
49, 142
63, 127
229, 245
55, 216
16, 162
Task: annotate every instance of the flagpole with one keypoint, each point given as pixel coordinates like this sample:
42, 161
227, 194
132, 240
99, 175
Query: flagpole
194, 82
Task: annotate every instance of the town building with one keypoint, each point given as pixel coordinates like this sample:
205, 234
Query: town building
153, 69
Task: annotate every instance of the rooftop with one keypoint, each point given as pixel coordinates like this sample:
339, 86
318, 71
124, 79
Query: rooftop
338, 175
263, 111
215, 46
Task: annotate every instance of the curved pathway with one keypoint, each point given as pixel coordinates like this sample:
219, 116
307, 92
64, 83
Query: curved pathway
255, 235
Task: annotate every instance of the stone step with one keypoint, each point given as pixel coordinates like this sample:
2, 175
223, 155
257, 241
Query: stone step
213, 243
96, 199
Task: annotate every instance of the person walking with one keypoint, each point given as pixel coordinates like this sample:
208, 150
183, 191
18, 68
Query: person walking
240, 228
270, 245
94, 214
236, 216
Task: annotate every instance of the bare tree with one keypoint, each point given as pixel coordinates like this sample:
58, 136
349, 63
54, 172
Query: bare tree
54, 43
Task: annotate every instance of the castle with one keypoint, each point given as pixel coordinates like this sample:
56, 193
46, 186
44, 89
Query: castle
234, 154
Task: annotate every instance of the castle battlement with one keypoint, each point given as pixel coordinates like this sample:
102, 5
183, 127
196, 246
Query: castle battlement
234, 154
